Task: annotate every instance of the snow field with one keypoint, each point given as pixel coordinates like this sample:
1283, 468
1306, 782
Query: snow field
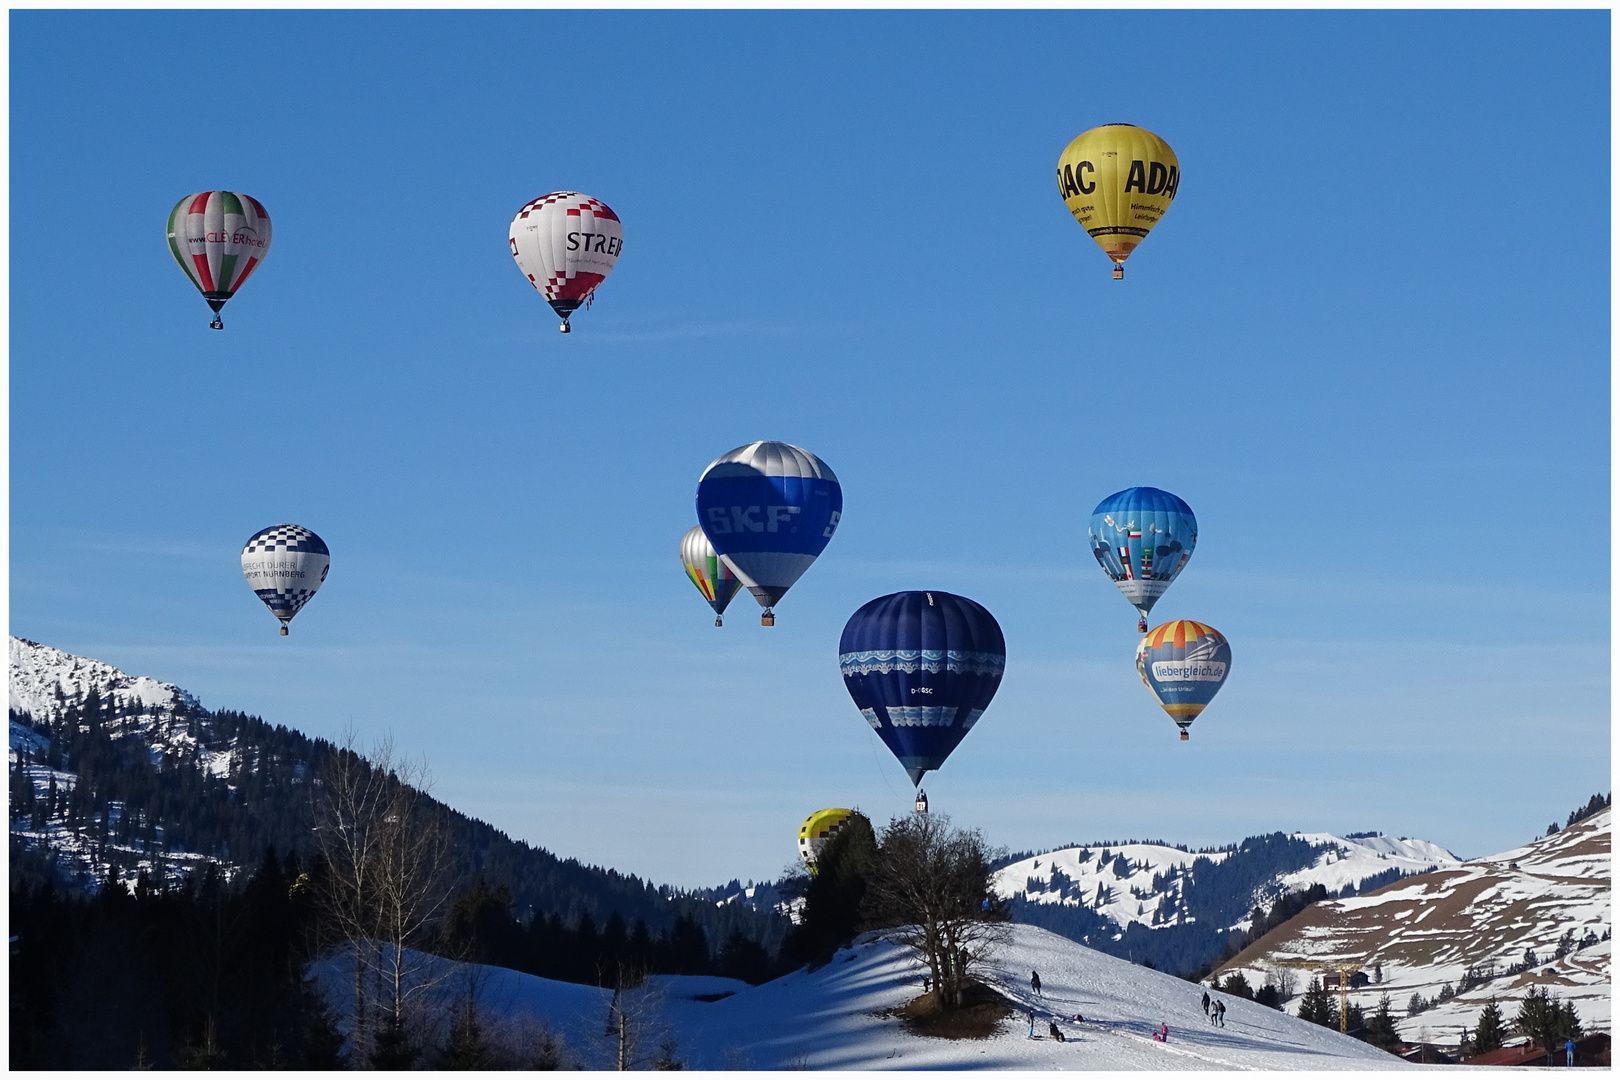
833, 1018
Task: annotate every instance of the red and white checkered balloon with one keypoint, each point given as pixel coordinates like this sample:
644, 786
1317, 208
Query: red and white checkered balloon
566, 243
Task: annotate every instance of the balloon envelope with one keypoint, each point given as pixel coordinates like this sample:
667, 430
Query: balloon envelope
817, 831
566, 244
218, 238
922, 668
712, 576
769, 509
1142, 537
1118, 180
285, 564
1184, 663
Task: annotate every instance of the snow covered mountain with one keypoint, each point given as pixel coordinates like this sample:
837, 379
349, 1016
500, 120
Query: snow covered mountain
47, 687
1148, 883
113, 775
46, 681
841, 1016
1487, 928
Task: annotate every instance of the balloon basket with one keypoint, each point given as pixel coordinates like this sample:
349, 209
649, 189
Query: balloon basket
564, 328
283, 631
1185, 737
217, 324
768, 619
1141, 626
1119, 272
717, 622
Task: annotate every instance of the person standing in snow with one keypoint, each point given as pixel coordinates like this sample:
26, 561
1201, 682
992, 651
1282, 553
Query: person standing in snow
1032, 1023
1569, 1052
1206, 1002
1164, 1031
1220, 1012
1035, 982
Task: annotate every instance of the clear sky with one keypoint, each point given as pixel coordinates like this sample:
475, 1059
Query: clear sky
1368, 344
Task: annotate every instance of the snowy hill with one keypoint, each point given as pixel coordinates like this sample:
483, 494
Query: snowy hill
1147, 883
839, 1017
114, 775
1486, 928
47, 686
45, 681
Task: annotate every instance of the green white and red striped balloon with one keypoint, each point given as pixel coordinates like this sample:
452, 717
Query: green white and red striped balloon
219, 238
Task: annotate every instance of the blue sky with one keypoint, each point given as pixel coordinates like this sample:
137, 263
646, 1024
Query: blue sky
1368, 345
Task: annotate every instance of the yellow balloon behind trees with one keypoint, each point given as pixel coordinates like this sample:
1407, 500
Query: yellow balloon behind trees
1118, 180
818, 830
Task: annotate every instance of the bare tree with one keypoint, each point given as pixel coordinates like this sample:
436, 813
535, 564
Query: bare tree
632, 1012
385, 854
1284, 978
932, 883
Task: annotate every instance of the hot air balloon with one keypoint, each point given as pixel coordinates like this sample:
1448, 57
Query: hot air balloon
708, 572
566, 244
922, 668
285, 564
817, 831
1142, 537
1118, 180
769, 509
218, 238
1184, 663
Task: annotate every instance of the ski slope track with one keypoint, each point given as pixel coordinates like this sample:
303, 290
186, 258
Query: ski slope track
1486, 914
836, 1017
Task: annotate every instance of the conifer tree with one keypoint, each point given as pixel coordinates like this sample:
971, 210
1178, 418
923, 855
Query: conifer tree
1318, 1006
1488, 1030
1379, 1029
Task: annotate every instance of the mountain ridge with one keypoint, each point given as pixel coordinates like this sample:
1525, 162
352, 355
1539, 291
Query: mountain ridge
1534, 916
118, 776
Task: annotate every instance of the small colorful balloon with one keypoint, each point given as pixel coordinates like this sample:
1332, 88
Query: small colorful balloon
1184, 664
708, 571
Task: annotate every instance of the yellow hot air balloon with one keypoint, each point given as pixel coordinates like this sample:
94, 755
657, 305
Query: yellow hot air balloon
819, 828
1118, 180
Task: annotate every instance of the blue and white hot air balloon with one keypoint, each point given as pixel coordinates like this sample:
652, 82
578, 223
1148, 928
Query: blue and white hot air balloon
285, 564
1142, 537
769, 509
922, 668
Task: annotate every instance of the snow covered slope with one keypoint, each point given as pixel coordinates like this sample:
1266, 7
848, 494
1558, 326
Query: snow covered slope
1124, 882
1499, 920
834, 1018
46, 681
1145, 883
46, 686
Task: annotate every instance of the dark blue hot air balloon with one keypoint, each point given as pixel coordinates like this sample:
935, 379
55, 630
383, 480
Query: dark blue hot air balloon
922, 667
